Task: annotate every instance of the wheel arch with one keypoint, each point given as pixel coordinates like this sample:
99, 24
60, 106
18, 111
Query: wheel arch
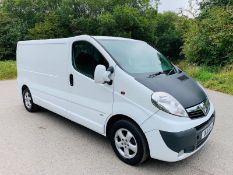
116, 118
24, 87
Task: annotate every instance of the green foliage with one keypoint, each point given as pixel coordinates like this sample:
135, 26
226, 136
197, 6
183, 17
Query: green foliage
209, 40
10, 33
84, 25
42, 19
107, 24
208, 4
128, 22
16, 18
29, 11
51, 27
7, 70
169, 34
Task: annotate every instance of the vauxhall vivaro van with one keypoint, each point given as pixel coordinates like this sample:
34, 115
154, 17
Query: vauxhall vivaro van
121, 88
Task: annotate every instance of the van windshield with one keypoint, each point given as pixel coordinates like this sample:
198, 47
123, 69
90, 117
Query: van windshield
137, 57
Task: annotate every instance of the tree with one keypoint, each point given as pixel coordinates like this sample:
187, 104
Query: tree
51, 27
128, 22
208, 4
169, 35
41, 19
107, 24
210, 39
29, 11
10, 33
91, 8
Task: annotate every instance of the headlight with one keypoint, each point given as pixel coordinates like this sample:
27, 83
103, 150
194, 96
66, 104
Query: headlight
168, 103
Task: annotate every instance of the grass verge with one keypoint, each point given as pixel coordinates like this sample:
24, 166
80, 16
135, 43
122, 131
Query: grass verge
212, 78
7, 70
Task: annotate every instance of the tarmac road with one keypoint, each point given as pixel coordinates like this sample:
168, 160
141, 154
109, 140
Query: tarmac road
44, 143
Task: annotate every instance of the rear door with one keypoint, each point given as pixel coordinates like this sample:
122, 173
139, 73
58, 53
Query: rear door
91, 103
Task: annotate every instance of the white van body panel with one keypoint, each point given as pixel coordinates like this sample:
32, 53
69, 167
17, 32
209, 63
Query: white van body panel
39, 67
138, 107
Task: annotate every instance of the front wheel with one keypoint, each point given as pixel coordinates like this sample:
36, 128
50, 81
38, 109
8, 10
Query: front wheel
28, 101
129, 142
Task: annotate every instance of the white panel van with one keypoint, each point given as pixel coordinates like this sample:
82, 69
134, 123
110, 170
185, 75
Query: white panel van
121, 88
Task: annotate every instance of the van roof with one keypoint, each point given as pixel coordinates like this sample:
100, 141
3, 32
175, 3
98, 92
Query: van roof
64, 40
111, 38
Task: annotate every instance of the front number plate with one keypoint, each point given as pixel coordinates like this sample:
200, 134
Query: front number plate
207, 130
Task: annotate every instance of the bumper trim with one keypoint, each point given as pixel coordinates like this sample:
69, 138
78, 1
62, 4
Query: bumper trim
188, 140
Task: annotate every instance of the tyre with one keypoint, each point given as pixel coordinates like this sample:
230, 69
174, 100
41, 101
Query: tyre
28, 101
129, 142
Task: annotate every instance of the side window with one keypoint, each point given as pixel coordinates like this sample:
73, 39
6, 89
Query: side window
86, 57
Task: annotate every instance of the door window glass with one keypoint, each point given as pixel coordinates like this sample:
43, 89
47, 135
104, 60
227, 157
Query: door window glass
86, 57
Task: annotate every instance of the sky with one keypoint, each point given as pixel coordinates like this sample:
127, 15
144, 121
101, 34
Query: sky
177, 5
172, 5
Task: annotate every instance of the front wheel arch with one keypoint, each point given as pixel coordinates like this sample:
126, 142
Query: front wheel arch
116, 118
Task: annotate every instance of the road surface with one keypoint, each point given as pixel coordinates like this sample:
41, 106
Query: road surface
44, 143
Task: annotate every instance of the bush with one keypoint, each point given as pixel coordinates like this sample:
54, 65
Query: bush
209, 40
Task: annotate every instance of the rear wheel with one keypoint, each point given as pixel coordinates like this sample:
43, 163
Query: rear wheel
28, 101
129, 142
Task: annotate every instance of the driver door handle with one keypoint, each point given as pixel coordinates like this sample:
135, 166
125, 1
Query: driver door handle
71, 80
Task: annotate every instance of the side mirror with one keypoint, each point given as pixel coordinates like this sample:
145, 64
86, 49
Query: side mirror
102, 75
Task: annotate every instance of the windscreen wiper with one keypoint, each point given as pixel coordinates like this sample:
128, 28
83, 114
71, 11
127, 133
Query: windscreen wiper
155, 74
172, 70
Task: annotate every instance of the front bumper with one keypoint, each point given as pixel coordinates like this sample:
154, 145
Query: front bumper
181, 137
188, 140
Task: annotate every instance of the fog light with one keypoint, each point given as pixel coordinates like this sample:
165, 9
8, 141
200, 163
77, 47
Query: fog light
181, 153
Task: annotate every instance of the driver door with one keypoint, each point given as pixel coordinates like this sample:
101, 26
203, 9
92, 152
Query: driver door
91, 103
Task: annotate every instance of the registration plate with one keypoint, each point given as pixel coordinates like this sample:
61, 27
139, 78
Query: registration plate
207, 130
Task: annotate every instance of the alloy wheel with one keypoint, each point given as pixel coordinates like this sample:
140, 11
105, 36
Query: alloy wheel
28, 100
126, 143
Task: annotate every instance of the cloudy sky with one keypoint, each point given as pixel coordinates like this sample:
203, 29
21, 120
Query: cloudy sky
172, 5
176, 5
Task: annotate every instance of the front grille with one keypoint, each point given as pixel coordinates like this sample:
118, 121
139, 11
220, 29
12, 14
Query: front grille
196, 114
200, 110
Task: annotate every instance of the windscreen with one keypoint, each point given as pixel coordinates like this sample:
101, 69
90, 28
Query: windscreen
136, 57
